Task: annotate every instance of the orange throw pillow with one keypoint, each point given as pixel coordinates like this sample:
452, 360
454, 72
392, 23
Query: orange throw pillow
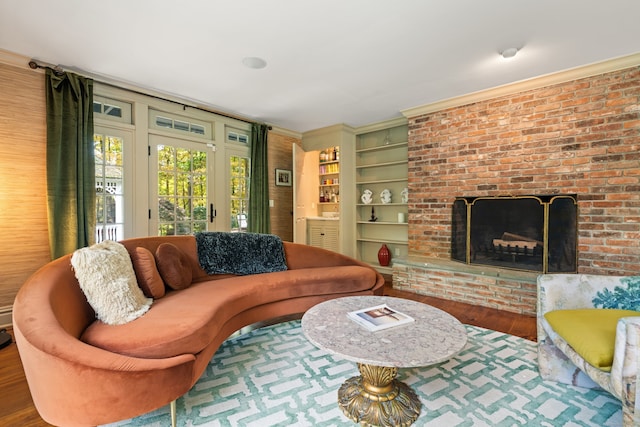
174, 266
149, 279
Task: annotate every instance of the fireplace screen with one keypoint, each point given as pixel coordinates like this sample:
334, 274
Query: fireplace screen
532, 233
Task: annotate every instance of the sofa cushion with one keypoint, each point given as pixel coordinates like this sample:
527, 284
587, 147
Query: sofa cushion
105, 275
590, 332
186, 321
147, 273
173, 265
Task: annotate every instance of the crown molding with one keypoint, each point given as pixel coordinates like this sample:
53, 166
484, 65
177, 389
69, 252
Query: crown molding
529, 84
385, 124
285, 132
21, 61
328, 130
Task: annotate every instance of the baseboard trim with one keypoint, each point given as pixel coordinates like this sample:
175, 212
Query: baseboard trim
5, 316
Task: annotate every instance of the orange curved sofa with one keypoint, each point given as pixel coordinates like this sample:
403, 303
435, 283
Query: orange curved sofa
151, 361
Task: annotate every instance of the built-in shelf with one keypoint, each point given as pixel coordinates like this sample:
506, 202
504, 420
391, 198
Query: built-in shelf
381, 181
329, 176
386, 241
382, 147
381, 223
381, 204
385, 164
381, 164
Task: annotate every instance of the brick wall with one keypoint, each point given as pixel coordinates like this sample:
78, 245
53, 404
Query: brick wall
579, 137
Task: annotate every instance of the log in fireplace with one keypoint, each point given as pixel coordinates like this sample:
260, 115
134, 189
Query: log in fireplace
531, 233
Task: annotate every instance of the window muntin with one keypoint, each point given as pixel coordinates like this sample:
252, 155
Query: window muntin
178, 124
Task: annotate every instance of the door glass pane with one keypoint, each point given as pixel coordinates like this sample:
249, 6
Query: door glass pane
200, 209
182, 190
108, 151
239, 192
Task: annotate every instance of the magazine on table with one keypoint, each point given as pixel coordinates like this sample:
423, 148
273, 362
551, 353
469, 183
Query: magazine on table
379, 317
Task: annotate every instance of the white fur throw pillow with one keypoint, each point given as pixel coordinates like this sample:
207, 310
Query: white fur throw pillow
107, 278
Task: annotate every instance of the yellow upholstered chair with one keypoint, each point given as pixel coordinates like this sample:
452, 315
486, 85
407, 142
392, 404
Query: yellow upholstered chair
589, 334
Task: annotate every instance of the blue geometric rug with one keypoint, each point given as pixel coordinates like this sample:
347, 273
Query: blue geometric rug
274, 377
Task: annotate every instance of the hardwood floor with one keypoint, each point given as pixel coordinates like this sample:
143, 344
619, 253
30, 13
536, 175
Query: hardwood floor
17, 410
16, 406
497, 320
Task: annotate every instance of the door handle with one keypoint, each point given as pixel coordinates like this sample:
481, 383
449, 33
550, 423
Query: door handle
212, 213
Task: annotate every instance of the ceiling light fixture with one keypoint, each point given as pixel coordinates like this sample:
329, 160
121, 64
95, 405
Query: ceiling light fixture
254, 62
509, 52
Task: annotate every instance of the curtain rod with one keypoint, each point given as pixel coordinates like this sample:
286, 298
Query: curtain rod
58, 71
55, 68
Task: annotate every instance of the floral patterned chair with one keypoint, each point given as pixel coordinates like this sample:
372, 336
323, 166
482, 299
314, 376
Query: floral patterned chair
570, 294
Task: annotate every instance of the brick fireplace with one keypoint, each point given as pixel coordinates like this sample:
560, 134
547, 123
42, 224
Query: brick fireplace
580, 137
527, 233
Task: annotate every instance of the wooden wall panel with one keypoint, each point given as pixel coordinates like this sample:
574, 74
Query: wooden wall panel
24, 240
280, 156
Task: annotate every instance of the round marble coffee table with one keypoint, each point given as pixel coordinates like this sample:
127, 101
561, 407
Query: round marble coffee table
376, 397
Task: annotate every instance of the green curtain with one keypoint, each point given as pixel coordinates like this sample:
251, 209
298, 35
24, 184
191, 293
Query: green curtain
259, 221
71, 197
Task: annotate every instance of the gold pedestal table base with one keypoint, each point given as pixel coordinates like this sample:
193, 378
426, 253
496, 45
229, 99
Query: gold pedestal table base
376, 398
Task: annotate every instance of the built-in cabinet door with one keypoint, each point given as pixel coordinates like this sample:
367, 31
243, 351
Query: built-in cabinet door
323, 234
315, 234
331, 236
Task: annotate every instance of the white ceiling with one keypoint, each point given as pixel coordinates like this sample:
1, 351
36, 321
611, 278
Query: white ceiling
329, 61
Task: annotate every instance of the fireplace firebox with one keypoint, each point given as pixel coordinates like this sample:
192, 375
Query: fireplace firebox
530, 233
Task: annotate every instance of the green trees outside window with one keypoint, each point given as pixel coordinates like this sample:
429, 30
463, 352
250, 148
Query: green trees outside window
239, 192
182, 191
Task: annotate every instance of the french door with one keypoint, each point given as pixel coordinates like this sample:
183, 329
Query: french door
113, 157
181, 186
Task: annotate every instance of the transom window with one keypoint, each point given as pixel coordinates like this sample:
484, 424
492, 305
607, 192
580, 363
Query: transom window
237, 136
166, 122
184, 125
111, 109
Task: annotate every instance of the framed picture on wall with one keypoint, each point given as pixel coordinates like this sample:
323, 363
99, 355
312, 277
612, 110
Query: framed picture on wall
283, 177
